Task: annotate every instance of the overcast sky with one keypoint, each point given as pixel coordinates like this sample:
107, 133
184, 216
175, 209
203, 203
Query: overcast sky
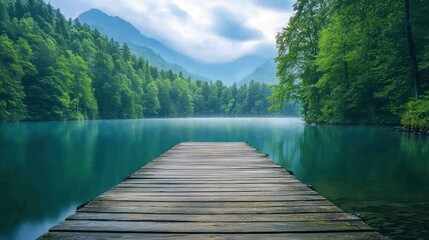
207, 30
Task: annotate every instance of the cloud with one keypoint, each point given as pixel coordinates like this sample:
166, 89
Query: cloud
210, 31
228, 26
178, 12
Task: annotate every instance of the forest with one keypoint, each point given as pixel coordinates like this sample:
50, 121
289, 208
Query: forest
58, 69
356, 62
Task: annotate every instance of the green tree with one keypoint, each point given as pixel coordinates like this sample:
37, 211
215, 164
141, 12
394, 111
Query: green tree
151, 102
74, 72
213, 101
225, 99
353, 61
164, 90
182, 98
12, 94
298, 46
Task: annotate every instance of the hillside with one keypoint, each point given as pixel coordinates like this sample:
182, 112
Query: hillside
266, 73
140, 45
124, 31
54, 69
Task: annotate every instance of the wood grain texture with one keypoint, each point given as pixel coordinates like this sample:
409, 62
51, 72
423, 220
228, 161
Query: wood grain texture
263, 217
211, 191
175, 236
210, 227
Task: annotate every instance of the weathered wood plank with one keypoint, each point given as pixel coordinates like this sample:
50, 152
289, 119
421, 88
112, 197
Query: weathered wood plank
263, 186
241, 192
202, 175
196, 168
220, 198
213, 211
226, 163
193, 188
210, 180
208, 204
210, 183
211, 191
226, 179
224, 182
158, 236
210, 227
264, 217
225, 171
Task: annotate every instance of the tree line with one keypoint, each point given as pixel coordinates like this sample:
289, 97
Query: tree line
52, 68
357, 61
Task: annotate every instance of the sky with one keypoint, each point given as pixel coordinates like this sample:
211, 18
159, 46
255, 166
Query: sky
216, 31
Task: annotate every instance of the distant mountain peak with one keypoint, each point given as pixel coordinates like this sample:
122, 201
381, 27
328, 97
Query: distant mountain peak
94, 11
265, 73
123, 31
106, 23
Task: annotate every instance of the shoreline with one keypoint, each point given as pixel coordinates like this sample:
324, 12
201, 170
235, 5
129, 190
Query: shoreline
410, 131
392, 127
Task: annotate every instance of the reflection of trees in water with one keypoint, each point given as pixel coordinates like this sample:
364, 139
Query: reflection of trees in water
361, 156
42, 165
369, 170
55, 165
47, 167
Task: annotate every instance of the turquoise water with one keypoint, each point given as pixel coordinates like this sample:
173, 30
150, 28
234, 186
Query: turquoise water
47, 169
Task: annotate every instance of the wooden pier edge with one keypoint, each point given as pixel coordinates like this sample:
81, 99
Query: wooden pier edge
211, 190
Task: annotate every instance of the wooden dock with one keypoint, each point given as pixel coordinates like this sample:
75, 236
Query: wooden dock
211, 191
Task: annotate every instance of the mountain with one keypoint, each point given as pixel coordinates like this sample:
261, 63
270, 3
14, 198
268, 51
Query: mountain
79, 78
157, 61
124, 31
265, 73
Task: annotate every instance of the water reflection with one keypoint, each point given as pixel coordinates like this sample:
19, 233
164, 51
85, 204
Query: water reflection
47, 169
377, 173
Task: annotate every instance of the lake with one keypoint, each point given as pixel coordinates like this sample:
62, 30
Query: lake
47, 169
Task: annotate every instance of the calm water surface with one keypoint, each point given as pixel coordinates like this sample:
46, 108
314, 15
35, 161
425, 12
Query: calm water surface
47, 169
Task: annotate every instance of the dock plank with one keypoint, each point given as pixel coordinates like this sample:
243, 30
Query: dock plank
263, 217
211, 191
207, 204
162, 236
210, 227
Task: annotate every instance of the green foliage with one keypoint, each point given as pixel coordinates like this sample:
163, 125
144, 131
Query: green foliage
151, 101
416, 115
12, 94
73, 72
296, 62
348, 61
54, 69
